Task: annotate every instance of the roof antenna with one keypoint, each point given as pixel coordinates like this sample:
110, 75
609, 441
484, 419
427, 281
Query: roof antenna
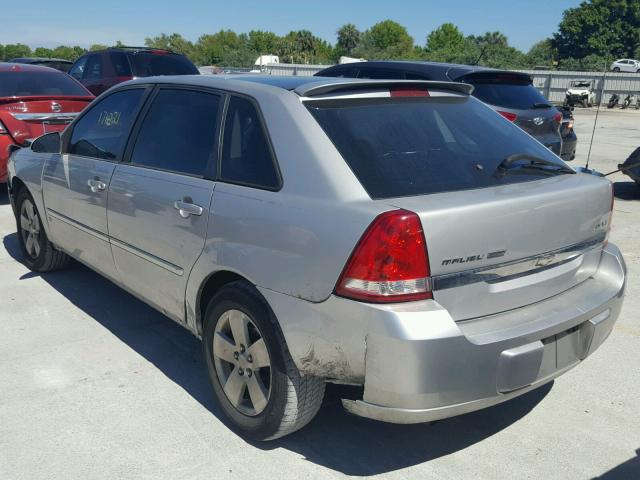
595, 121
481, 54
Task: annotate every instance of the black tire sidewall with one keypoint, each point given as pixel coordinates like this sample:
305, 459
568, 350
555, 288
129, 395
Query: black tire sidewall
239, 296
38, 262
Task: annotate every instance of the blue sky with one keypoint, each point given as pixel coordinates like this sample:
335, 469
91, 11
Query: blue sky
75, 22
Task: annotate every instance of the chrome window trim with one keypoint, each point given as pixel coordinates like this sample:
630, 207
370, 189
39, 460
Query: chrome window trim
513, 269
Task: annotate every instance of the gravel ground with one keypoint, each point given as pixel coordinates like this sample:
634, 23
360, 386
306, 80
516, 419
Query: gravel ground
96, 385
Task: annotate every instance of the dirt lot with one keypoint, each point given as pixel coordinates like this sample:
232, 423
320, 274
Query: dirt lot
96, 385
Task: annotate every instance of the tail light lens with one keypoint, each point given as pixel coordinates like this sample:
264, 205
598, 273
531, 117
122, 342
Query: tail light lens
508, 115
390, 262
557, 117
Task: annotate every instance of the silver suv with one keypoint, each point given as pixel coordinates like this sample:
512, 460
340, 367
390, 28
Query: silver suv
397, 235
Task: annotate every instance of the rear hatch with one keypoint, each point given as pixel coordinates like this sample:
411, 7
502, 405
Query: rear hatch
514, 96
499, 235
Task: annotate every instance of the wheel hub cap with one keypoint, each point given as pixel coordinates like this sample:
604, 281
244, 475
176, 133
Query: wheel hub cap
30, 228
242, 362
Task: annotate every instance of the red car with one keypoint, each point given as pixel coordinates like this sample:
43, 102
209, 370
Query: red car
35, 100
102, 69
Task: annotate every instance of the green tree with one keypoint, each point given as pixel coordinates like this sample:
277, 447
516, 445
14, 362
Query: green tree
67, 53
543, 54
2, 52
224, 48
386, 40
348, 38
446, 36
590, 63
263, 42
174, 42
16, 50
599, 27
303, 47
97, 46
446, 44
43, 52
493, 50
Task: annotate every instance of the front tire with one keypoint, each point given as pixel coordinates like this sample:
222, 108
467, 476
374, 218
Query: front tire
255, 381
40, 255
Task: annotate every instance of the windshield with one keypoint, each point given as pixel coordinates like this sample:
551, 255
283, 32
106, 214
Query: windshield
401, 147
148, 64
51, 83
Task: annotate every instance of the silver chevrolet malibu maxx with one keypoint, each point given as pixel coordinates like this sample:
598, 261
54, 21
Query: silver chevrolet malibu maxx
396, 235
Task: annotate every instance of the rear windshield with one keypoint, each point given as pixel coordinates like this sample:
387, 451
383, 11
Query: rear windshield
508, 95
417, 146
24, 84
147, 64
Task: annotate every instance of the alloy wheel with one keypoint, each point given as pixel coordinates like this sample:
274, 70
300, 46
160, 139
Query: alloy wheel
30, 228
242, 362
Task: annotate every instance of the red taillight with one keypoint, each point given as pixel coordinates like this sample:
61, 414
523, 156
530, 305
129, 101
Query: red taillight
408, 92
390, 262
557, 117
508, 115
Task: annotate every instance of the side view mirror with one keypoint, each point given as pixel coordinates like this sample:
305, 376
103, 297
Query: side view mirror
49, 143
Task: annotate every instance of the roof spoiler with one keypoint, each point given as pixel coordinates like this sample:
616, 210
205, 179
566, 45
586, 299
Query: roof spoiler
314, 89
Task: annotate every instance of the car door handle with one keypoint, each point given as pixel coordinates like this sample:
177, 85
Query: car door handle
186, 207
96, 185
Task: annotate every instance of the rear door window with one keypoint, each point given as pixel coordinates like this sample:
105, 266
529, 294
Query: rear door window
416, 146
77, 71
246, 154
120, 64
148, 64
178, 133
94, 67
102, 131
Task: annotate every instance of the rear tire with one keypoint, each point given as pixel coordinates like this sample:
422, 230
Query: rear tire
40, 255
265, 396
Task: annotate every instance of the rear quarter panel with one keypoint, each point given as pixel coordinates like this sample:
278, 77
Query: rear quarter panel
295, 241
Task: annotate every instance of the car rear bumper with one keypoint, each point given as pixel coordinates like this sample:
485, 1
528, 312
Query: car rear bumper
418, 365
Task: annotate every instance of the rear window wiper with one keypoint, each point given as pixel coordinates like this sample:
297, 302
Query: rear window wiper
527, 161
542, 105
